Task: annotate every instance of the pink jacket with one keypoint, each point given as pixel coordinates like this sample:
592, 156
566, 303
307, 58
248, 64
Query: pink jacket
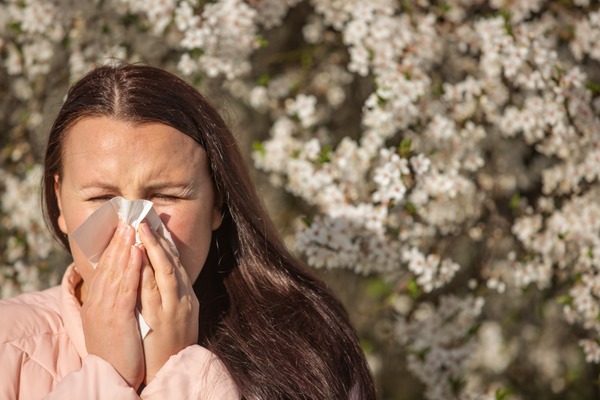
43, 356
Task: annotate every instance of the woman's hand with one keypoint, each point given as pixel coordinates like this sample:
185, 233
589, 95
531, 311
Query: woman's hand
109, 323
169, 303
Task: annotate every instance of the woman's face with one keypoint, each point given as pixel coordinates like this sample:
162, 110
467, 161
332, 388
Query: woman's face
105, 157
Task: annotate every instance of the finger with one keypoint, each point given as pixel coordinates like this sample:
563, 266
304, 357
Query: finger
167, 268
149, 294
103, 297
117, 252
128, 288
112, 264
166, 247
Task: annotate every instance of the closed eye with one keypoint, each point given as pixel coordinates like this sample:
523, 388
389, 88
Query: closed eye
165, 197
101, 198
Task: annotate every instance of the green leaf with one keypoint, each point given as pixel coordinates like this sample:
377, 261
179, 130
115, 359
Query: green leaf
562, 235
405, 148
456, 384
306, 220
514, 201
262, 42
258, 147
130, 19
196, 53
264, 80
593, 87
421, 354
377, 288
413, 289
564, 299
438, 89
506, 16
474, 329
198, 79
325, 155
381, 101
502, 393
15, 27
445, 7
367, 346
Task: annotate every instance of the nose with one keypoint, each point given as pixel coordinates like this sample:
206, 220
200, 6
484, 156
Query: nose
164, 217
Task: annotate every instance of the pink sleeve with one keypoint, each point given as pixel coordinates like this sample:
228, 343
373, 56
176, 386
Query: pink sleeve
96, 379
11, 363
193, 373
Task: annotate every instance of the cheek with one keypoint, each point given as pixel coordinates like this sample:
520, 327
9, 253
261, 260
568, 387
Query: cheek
191, 233
76, 214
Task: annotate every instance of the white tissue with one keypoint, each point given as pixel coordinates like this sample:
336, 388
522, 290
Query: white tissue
95, 233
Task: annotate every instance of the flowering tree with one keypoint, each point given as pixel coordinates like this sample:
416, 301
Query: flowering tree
448, 149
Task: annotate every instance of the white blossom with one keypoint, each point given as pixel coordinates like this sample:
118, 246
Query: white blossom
475, 151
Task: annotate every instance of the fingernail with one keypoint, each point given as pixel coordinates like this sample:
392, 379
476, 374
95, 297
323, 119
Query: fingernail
145, 228
125, 229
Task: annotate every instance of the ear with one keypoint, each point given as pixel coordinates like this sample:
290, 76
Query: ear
61, 219
217, 216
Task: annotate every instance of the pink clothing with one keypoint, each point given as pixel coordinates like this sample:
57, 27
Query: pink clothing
43, 356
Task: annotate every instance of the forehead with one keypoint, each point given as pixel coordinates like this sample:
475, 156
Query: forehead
105, 141
99, 129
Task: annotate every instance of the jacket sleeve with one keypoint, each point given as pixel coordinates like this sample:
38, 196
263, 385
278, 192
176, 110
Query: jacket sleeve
193, 373
96, 379
11, 361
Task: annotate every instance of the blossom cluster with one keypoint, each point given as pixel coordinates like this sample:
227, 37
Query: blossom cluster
28, 247
444, 147
440, 341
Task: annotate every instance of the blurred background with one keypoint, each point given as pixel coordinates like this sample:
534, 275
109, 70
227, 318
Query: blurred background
436, 162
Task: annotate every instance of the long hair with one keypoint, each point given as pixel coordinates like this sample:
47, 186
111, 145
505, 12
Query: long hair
276, 327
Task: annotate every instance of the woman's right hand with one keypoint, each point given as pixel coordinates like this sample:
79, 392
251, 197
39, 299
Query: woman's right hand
108, 312
168, 301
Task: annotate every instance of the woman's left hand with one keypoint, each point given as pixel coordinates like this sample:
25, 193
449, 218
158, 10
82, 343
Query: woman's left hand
168, 303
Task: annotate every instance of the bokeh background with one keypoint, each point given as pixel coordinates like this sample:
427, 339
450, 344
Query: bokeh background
436, 162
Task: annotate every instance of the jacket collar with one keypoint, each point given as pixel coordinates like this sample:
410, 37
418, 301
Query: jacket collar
70, 309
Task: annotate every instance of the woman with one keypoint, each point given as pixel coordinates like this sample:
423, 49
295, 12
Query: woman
233, 315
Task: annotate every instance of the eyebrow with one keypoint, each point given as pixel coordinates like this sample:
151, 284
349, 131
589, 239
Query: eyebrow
97, 185
158, 186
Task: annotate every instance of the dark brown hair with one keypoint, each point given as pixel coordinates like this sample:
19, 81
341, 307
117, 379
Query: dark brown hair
276, 327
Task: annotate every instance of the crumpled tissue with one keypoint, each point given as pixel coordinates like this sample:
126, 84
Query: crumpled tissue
95, 233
